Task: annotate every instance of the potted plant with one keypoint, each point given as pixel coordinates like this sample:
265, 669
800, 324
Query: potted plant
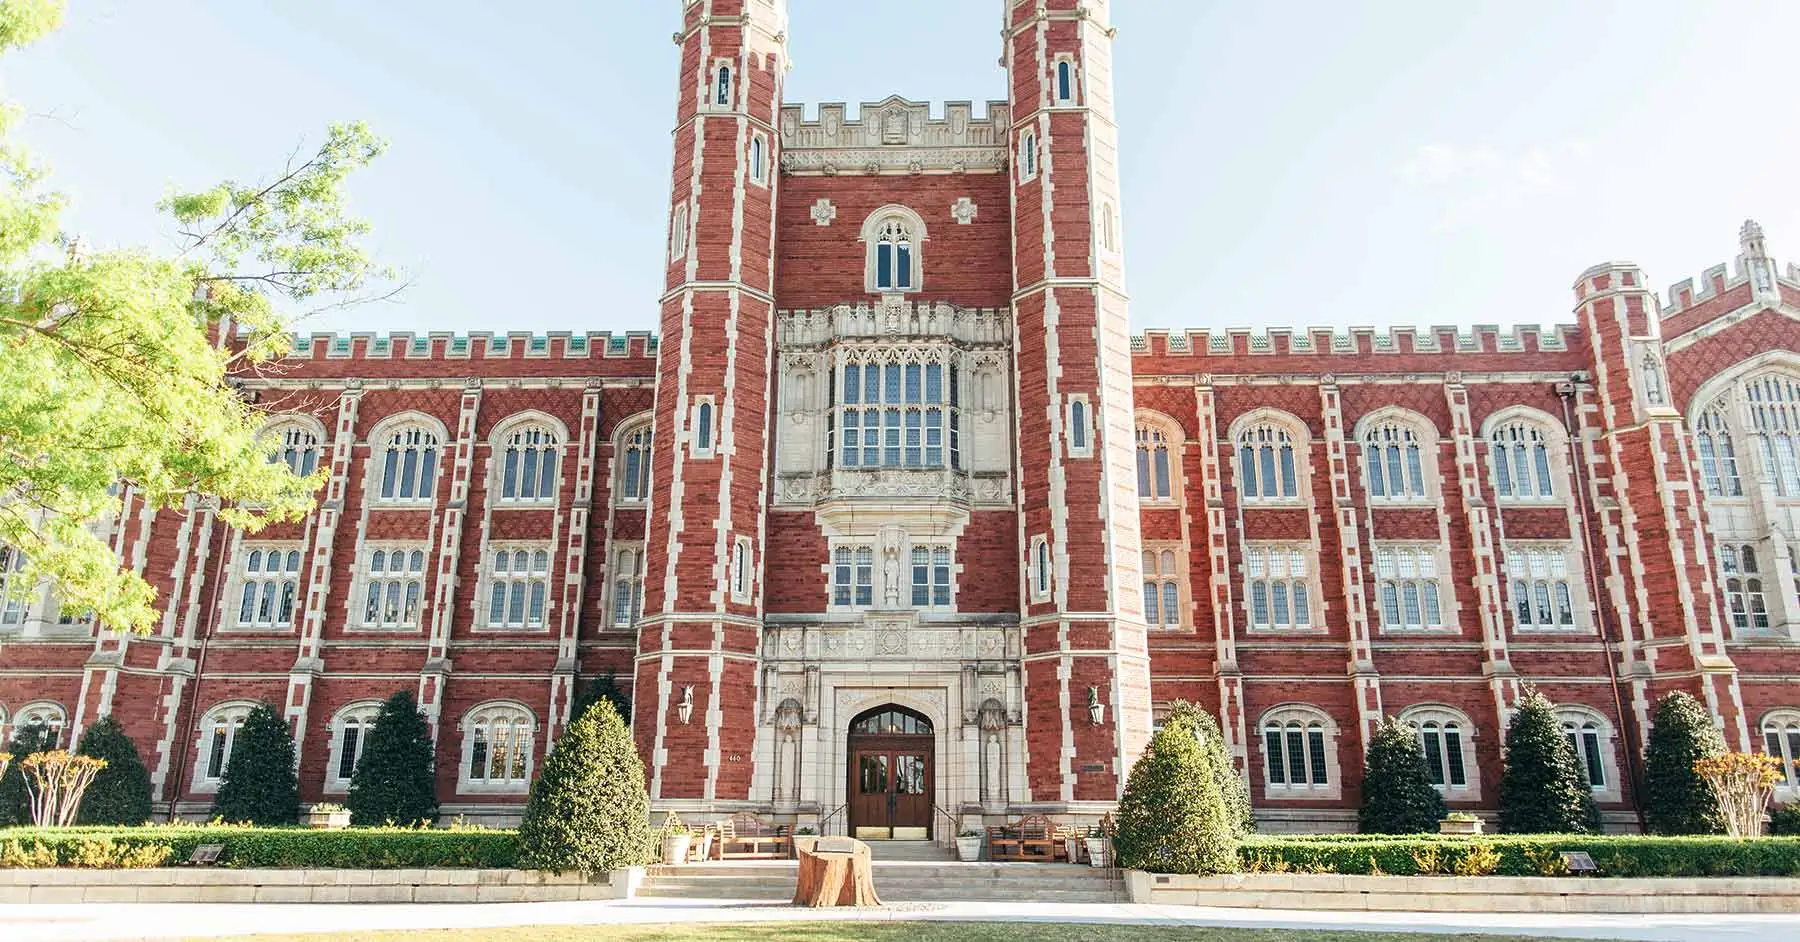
676, 839
326, 816
968, 846
1099, 848
1460, 822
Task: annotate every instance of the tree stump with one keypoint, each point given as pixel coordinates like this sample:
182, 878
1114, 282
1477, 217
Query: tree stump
834, 871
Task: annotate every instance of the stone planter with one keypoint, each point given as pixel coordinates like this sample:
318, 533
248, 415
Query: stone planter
1462, 828
968, 849
675, 848
1073, 848
1099, 851
328, 820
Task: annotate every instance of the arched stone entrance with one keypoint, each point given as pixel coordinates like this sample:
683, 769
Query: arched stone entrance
892, 753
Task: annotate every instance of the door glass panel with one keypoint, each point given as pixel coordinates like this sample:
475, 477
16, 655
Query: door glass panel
909, 775
873, 773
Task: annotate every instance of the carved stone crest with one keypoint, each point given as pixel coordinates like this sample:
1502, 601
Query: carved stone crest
963, 211
824, 213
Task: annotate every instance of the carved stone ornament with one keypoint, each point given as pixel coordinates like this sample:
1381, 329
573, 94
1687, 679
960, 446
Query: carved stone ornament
824, 213
964, 211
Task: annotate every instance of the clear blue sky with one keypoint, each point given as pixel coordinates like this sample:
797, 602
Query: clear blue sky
1295, 163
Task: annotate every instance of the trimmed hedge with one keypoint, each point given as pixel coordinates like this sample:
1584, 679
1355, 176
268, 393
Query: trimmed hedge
248, 847
1522, 855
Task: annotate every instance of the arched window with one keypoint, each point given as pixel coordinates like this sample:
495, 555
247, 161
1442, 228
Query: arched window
1718, 455
741, 574
296, 446
703, 427
409, 464
898, 406
1406, 579
394, 586
45, 715
518, 586
1542, 594
1065, 82
1298, 747
722, 86
1655, 391
497, 744
350, 730
269, 581
892, 721
628, 586
528, 466
1781, 740
678, 233
1743, 586
1162, 589
14, 602
1040, 568
218, 734
1394, 462
1109, 227
758, 158
1591, 738
634, 464
1154, 466
1444, 734
1268, 468
1028, 155
1773, 401
893, 257
1078, 426
1522, 462
894, 237
1279, 581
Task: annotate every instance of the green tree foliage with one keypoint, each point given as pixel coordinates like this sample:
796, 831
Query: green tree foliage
605, 687
259, 786
588, 811
396, 779
1676, 799
1397, 795
1234, 789
109, 373
1544, 789
120, 794
1173, 818
15, 801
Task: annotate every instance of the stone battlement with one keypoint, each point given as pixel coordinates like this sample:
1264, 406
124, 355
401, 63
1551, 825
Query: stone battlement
894, 136
1356, 340
480, 345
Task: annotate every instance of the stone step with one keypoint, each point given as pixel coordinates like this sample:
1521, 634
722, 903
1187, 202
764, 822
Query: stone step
896, 881
910, 850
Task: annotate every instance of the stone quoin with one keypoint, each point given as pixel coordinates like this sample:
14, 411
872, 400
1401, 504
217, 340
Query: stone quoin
892, 527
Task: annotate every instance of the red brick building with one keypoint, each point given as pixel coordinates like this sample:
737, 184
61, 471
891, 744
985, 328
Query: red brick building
893, 512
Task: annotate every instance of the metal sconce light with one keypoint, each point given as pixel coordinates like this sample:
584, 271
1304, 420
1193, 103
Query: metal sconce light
1096, 709
685, 709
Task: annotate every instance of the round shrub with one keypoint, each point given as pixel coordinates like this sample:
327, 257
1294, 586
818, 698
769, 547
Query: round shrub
120, 793
1676, 799
15, 801
1397, 795
588, 811
1172, 818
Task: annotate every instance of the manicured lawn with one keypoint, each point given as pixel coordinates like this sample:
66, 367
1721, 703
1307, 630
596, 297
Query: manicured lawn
880, 932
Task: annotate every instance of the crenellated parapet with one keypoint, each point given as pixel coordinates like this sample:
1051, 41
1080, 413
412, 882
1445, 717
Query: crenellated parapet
894, 136
1326, 341
481, 345
1753, 269
894, 320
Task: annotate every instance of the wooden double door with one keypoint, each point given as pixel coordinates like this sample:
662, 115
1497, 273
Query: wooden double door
891, 779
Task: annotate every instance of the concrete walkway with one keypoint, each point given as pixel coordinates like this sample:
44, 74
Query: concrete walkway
54, 923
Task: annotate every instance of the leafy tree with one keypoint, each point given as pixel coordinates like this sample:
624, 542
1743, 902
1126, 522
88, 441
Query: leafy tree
120, 794
1234, 790
111, 374
1544, 789
259, 786
1676, 799
15, 801
1397, 795
396, 778
588, 811
606, 688
1173, 818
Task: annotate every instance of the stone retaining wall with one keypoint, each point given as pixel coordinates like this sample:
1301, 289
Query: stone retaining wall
224, 885
1470, 894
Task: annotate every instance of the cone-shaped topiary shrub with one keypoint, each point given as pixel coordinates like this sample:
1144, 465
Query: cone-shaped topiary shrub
259, 785
1544, 789
1397, 795
1173, 818
120, 793
1676, 799
15, 801
395, 781
588, 811
601, 688
1234, 790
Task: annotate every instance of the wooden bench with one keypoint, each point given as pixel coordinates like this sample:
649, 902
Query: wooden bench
744, 836
1032, 839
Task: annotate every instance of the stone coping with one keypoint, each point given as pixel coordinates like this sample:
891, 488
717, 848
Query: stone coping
230, 885
1471, 894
